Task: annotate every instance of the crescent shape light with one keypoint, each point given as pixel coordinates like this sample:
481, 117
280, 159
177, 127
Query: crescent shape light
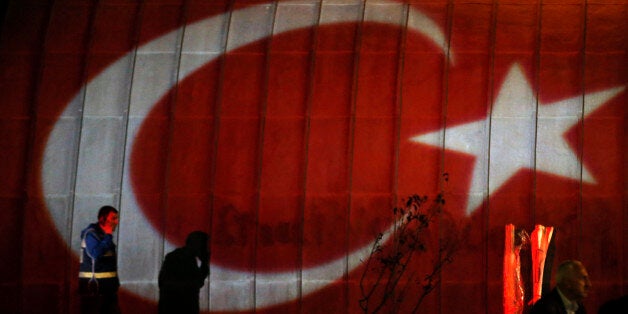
212, 26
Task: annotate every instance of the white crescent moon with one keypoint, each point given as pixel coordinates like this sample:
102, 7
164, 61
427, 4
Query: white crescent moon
221, 299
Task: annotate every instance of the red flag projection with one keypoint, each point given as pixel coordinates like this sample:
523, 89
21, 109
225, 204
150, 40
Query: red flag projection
288, 130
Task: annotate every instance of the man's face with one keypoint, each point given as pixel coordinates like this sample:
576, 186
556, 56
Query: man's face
578, 283
112, 220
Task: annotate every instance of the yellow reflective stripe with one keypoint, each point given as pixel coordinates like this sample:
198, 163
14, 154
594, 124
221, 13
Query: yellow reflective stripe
86, 274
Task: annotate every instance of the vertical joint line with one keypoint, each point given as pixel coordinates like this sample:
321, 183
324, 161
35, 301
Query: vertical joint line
491, 100
397, 114
217, 116
536, 83
445, 107
582, 126
260, 142
172, 101
351, 143
309, 99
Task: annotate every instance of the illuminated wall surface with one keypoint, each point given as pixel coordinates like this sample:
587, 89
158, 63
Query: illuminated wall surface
288, 130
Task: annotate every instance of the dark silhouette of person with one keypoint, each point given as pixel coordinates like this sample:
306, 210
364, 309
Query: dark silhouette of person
615, 306
182, 275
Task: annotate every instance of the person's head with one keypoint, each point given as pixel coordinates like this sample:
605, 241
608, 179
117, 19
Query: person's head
108, 217
573, 280
197, 241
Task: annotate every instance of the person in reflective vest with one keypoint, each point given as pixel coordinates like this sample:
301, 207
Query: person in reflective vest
98, 276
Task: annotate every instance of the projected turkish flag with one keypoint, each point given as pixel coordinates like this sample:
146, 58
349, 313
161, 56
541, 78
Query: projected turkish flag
289, 130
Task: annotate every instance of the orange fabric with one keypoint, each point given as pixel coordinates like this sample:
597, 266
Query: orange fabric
513, 286
540, 240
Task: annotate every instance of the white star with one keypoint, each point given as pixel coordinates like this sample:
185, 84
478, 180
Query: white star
517, 136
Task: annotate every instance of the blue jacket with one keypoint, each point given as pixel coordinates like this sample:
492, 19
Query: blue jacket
99, 265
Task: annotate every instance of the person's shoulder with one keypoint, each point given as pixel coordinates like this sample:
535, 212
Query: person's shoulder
547, 304
176, 253
180, 255
91, 228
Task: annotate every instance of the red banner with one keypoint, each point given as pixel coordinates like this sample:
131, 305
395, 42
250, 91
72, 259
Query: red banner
289, 130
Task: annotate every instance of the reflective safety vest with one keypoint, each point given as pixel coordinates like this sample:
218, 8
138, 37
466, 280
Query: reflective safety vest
98, 255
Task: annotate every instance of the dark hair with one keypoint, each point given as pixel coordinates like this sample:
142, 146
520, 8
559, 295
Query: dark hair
197, 243
196, 238
104, 211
